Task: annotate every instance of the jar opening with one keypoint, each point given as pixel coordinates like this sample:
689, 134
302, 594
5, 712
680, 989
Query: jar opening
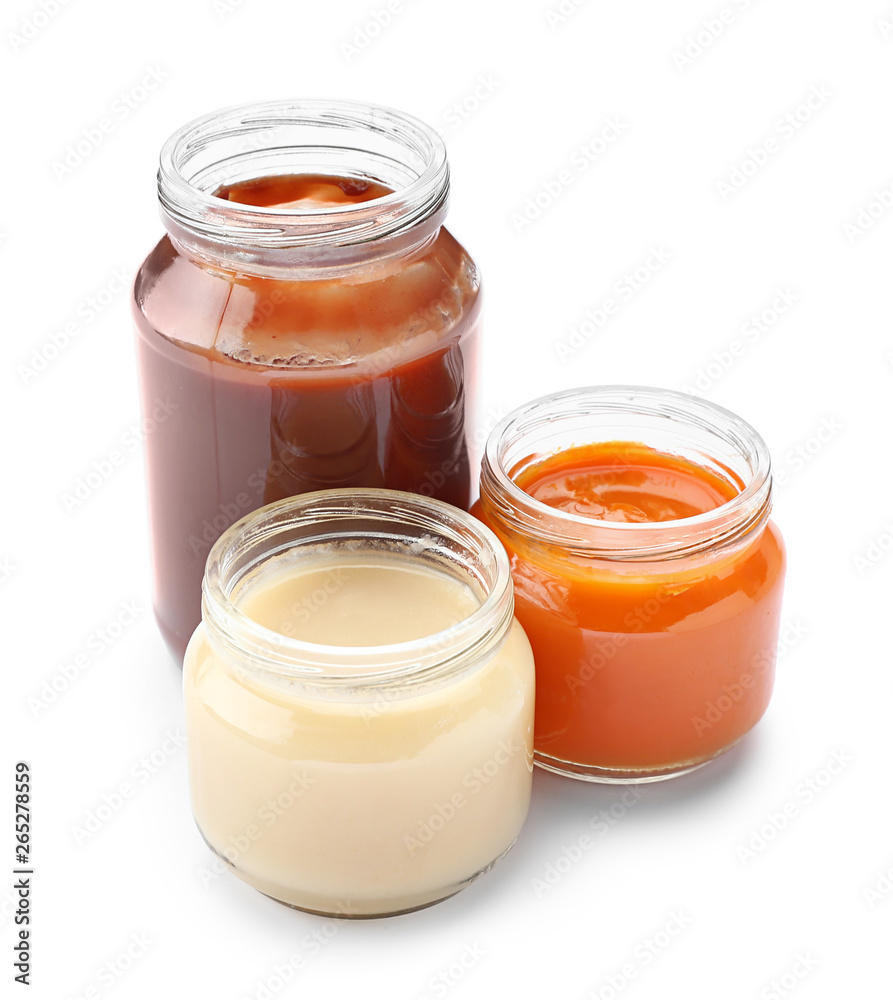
351, 522
673, 423
351, 140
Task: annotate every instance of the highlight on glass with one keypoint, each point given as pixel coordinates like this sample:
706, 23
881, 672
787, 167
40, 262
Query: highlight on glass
647, 575
359, 702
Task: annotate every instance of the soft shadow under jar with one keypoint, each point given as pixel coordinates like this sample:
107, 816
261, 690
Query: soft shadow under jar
359, 702
647, 575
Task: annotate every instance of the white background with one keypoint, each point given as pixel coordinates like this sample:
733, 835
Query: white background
517, 93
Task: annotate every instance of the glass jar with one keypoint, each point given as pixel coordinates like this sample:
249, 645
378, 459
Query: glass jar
654, 640
347, 779
306, 323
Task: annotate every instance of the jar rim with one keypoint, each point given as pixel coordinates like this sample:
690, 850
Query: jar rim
351, 667
748, 510
261, 138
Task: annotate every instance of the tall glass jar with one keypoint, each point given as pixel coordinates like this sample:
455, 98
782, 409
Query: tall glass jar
350, 779
654, 639
306, 323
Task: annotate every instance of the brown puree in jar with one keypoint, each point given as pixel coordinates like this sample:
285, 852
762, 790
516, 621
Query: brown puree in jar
275, 386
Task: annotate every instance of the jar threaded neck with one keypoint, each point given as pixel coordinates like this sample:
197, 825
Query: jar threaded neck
280, 138
700, 431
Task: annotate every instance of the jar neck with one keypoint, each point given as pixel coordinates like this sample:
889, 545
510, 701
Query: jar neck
418, 530
671, 422
332, 138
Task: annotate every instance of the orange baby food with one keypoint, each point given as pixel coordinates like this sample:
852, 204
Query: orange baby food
645, 664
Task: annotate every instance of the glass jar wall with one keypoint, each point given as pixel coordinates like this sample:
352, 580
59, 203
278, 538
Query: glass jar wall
647, 575
359, 702
307, 323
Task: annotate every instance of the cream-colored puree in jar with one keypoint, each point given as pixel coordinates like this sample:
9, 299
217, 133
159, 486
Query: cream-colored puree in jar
367, 748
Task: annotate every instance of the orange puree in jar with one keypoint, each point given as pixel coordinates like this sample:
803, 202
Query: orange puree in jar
647, 664
624, 482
